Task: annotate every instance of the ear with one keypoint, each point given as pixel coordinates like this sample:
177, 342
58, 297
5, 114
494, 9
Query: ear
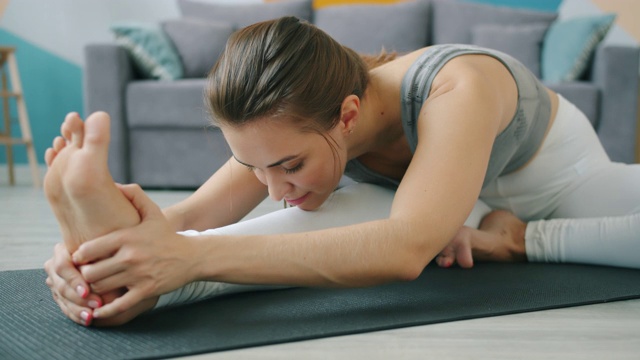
349, 113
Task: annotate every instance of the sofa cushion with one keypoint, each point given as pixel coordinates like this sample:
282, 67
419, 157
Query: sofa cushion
151, 50
523, 42
176, 158
401, 27
199, 43
570, 44
176, 104
584, 95
453, 21
241, 15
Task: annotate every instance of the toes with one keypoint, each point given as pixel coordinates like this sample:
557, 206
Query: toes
97, 133
49, 154
446, 258
73, 129
58, 144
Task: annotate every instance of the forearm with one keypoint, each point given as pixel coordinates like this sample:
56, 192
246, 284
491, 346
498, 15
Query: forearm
229, 195
357, 255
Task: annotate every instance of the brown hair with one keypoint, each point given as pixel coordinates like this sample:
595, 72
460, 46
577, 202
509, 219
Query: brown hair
284, 67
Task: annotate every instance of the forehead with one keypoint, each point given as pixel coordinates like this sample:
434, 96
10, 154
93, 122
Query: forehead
261, 142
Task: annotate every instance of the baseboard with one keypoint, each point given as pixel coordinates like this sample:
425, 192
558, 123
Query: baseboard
22, 174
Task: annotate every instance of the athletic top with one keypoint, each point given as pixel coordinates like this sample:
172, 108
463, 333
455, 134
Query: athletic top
512, 148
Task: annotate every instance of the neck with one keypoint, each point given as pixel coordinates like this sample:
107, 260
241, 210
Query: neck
378, 124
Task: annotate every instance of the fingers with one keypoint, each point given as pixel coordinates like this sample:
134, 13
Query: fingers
99, 248
105, 275
127, 315
68, 289
145, 206
121, 305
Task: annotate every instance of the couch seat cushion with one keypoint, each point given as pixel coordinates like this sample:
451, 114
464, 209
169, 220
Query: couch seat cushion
177, 104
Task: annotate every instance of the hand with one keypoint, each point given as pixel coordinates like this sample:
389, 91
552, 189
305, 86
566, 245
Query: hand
148, 260
69, 289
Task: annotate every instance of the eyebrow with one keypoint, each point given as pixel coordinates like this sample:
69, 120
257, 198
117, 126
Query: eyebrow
279, 162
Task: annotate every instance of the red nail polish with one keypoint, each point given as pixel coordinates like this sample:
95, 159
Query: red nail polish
82, 291
87, 317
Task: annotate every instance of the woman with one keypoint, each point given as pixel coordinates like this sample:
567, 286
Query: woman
446, 125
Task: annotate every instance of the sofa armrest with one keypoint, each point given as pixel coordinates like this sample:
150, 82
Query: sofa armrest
615, 71
108, 70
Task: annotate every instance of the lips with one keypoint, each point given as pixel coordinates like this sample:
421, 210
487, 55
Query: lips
298, 201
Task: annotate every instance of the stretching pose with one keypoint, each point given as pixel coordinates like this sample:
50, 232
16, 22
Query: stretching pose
442, 126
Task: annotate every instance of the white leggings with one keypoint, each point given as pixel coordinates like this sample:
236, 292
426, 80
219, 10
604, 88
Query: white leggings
590, 205
593, 206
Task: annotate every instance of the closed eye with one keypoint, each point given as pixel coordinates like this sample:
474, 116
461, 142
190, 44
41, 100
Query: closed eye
293, 169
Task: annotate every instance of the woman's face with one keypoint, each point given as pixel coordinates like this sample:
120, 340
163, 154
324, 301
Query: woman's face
297, 166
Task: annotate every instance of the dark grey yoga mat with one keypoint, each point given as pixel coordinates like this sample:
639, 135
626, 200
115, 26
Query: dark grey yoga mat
32, 327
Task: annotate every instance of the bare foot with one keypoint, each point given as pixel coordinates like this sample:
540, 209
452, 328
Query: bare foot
78, 185
499, 238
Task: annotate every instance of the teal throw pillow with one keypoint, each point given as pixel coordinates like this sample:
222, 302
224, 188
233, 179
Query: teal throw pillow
151, 50
569, 45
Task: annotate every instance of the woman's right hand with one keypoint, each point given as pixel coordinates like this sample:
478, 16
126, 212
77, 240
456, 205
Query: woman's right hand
69, 289
72, 293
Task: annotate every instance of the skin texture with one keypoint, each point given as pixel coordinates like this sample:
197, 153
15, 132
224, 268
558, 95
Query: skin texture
440, 184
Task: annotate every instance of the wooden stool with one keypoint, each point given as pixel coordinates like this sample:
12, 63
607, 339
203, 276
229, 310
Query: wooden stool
7, 57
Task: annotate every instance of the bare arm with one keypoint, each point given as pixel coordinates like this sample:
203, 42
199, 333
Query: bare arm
230, 194
471, 101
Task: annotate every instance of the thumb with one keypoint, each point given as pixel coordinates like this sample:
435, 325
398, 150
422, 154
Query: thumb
140, 200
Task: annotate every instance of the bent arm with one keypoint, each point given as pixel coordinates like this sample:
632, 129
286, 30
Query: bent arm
469, 105
230, 194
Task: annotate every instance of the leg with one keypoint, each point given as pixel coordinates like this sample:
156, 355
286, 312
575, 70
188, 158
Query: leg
591, 200
598, 222
350, 205
78, 186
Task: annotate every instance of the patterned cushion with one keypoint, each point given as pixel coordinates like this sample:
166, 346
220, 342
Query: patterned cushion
151, 50
570, 44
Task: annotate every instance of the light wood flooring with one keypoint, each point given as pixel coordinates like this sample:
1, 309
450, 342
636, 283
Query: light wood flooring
28, 232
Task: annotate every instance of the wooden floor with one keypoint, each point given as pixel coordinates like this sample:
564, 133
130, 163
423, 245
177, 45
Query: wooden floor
28, 232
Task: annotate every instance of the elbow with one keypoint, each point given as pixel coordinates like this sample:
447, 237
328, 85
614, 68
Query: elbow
410, 271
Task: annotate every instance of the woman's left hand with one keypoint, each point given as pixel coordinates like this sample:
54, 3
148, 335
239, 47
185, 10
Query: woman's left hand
148, 260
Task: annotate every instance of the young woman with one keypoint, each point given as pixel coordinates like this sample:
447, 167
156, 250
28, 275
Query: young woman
442, 126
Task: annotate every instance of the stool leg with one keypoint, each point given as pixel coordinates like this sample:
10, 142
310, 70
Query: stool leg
24, 119
7, 128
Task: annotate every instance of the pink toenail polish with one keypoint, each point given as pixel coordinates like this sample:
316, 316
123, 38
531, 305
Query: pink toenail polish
94, 304
86, 316
82, 291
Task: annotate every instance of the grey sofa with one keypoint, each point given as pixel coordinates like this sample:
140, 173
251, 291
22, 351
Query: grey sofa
161, 136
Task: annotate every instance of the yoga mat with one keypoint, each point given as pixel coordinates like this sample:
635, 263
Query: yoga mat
32, 327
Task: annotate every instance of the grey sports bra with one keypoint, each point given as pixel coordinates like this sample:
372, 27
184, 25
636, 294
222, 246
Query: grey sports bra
512, 148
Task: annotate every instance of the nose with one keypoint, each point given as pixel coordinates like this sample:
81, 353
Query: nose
278, 186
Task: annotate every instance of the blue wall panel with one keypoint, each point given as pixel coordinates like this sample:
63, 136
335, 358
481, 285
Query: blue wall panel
542, 5
52, 87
